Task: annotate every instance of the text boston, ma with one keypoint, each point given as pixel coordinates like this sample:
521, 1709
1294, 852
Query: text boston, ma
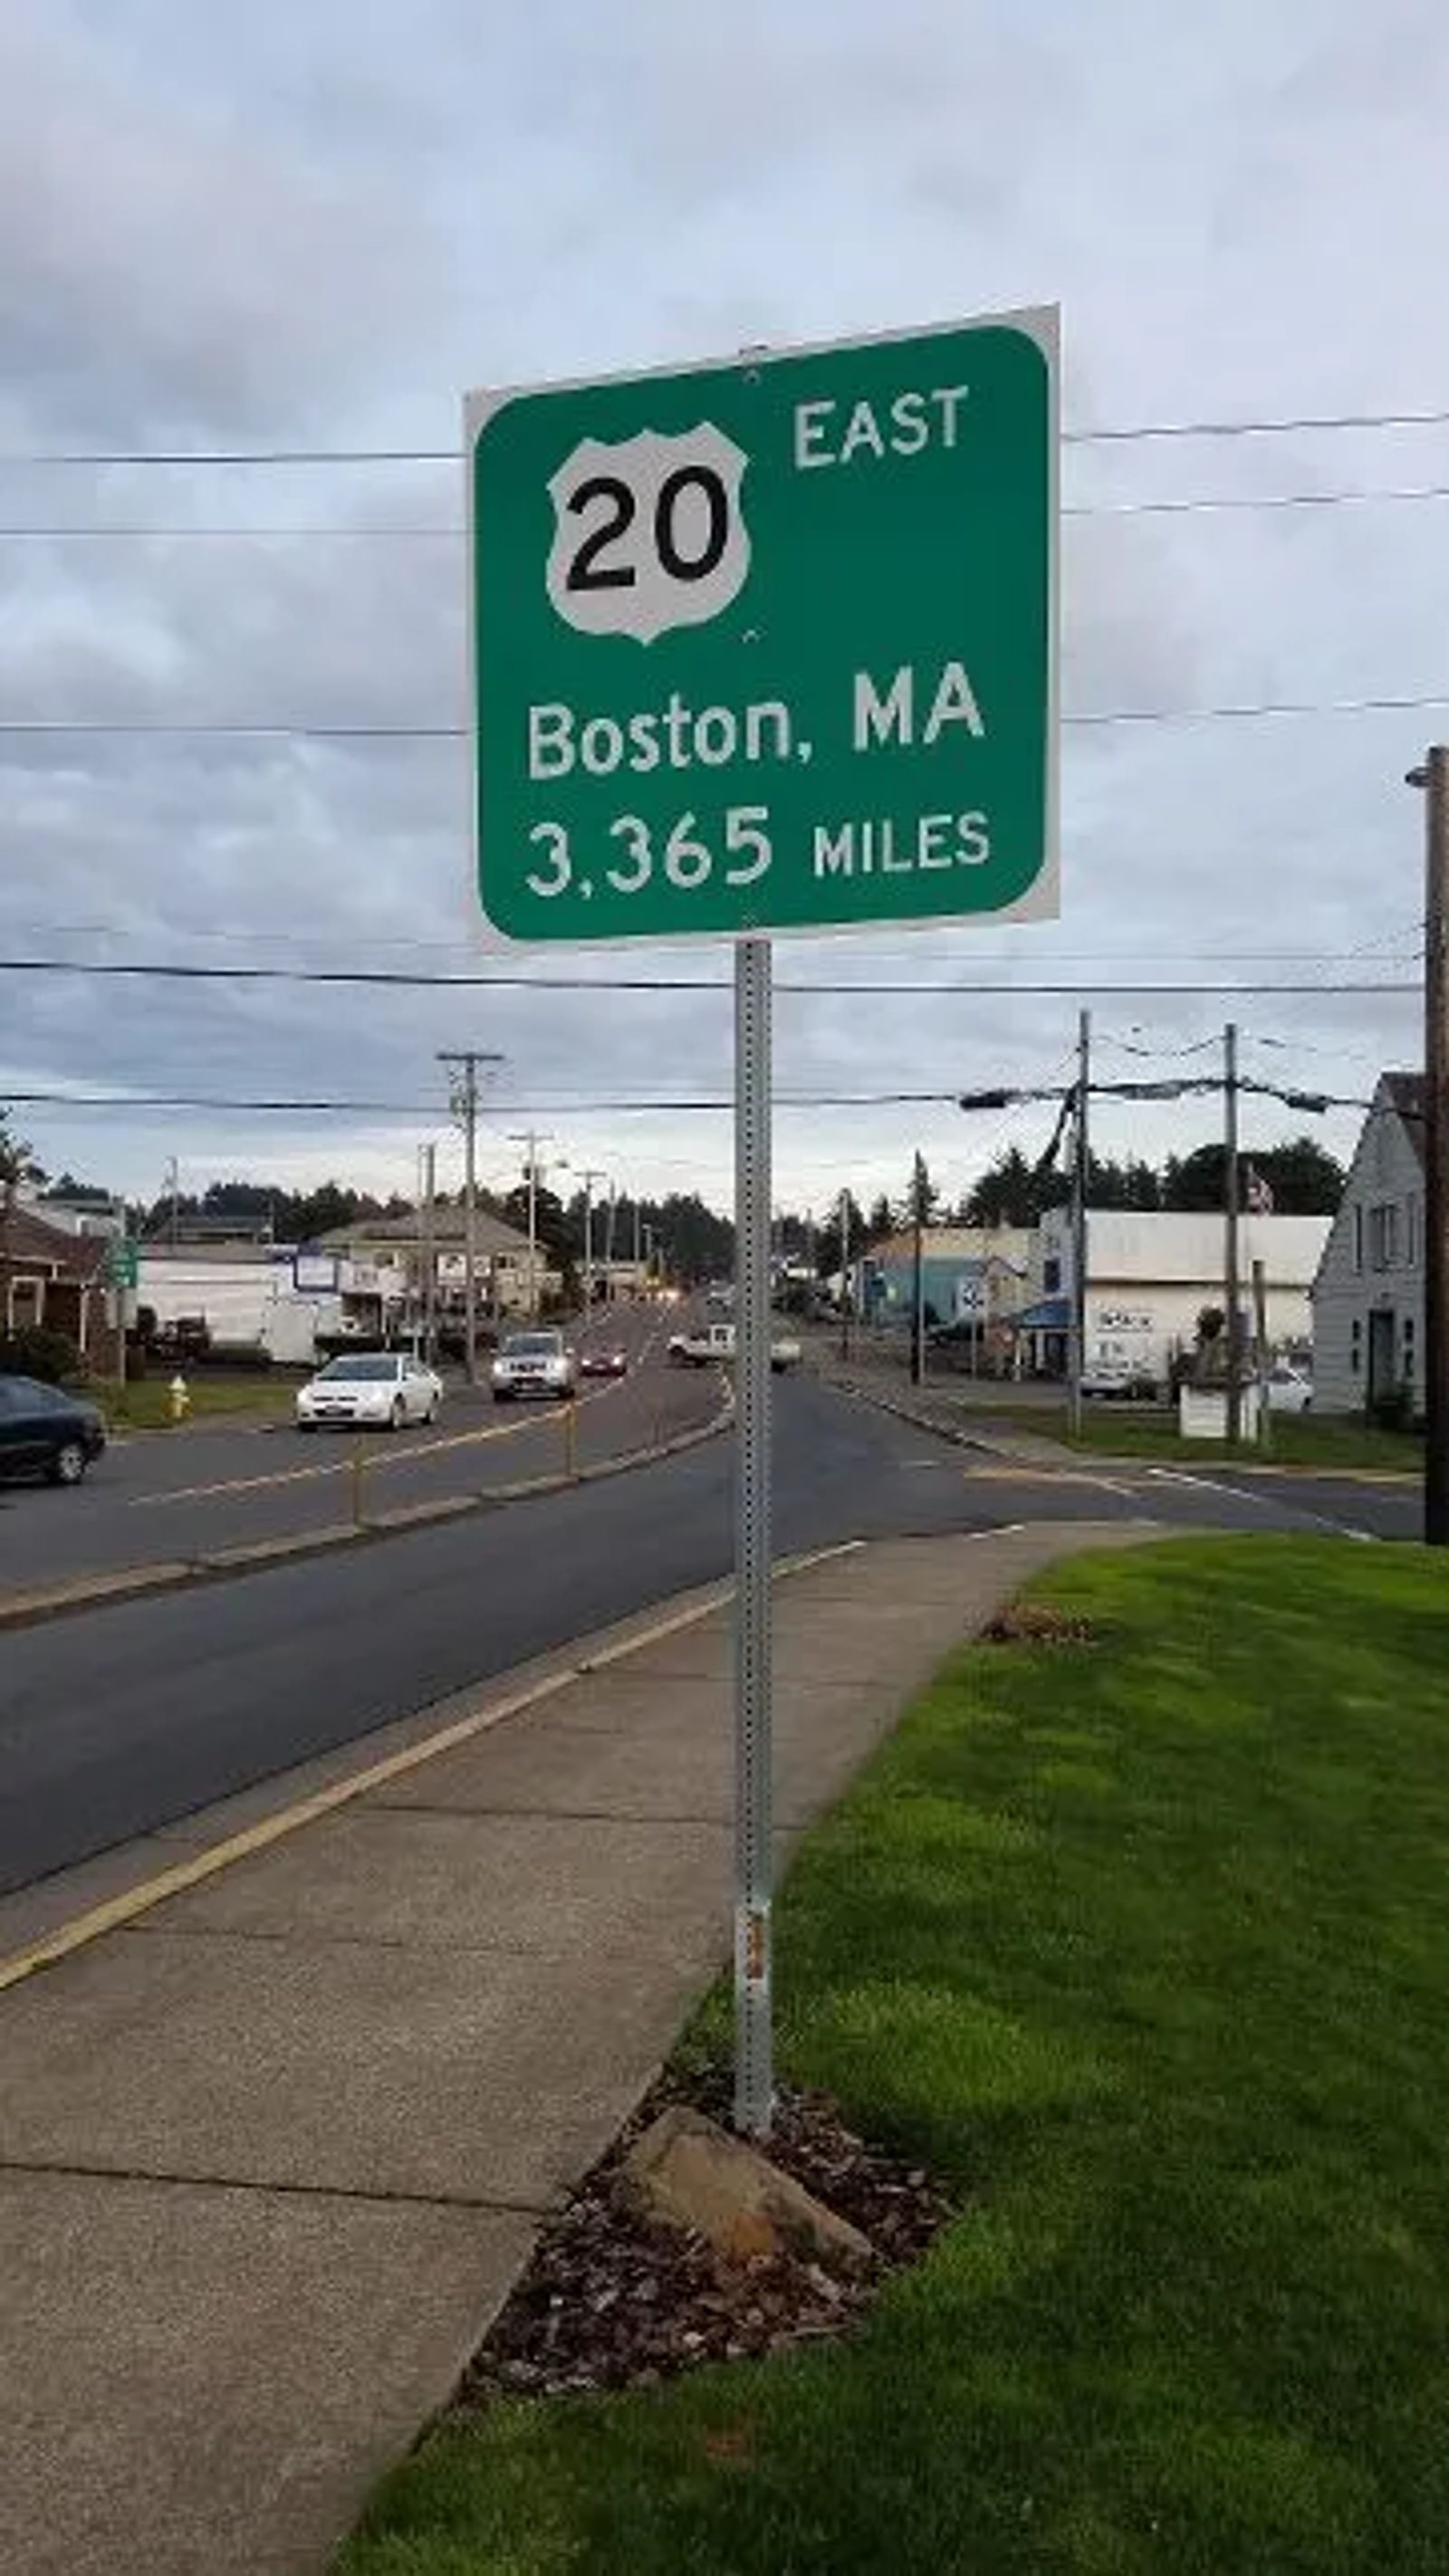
908, 710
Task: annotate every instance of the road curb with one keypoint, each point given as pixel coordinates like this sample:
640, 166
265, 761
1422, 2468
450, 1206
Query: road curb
489, 1704
254, 1556
920, 1420
1056, 1453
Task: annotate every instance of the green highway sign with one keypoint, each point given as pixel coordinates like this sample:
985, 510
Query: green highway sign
769, 644
122, 1261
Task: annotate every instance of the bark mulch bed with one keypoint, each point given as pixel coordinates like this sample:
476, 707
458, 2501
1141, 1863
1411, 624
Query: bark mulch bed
612, 2300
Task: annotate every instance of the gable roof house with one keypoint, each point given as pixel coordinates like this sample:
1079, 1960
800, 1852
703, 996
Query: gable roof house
52, 1276
1368, 1298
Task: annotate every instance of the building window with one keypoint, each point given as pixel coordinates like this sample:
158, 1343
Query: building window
1384, 1235
1414, 1248
1051, 1276
1355, 1347
1358, 1238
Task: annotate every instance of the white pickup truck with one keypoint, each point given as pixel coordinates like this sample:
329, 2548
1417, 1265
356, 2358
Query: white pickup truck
713, 1346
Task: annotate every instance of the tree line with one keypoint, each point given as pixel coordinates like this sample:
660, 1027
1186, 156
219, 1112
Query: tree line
692, 1242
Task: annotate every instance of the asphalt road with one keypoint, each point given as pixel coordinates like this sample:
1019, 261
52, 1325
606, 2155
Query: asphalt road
116, 1720
157, 1496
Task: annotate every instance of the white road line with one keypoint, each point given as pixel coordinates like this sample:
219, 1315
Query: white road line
389, 1456
1265, 1502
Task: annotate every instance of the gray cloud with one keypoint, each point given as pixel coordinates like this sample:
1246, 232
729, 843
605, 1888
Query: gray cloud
294, 229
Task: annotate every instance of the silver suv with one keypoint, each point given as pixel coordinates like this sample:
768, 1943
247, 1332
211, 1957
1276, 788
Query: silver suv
533, 1364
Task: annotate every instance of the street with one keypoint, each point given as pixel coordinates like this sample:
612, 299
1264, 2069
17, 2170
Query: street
116, 1720
157, 1496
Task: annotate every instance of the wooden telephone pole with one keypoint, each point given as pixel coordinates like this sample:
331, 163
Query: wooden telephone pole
1232, 1210
1433, 778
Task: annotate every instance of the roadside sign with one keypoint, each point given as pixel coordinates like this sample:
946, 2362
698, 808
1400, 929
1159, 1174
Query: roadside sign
122, 1262
769, 644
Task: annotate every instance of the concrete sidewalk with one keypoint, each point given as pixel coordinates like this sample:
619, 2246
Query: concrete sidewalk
274, 2147
957, 1408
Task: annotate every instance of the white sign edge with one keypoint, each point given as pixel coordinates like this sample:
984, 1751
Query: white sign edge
1040, 323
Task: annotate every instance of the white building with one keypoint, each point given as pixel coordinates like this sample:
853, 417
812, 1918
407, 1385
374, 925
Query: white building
248, 1296
1150, 1274
1368, 1300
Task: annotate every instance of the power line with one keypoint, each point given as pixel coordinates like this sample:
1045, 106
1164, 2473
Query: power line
415, 980
1352, 497
153, 728
1177, 954
571, 1108
1125, 434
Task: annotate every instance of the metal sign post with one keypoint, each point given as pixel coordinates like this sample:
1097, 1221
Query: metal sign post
754, 2067
767, 644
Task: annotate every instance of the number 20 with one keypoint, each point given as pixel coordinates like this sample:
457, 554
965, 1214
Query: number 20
586, 569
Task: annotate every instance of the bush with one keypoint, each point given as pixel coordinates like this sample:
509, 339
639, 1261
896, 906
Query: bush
34, 1352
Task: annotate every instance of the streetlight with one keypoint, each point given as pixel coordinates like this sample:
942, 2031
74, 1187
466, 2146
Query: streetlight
588, 1178
531, 1137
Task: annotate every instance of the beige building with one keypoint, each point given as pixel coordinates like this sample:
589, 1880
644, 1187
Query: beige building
386, 1256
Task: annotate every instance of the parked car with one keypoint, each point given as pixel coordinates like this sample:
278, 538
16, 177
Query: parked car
531, 1364
380, 1389
45, 1432
1290, 1389
1120, 1379
602, 1363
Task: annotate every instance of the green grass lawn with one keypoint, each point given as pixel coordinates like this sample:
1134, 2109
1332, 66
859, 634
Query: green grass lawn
1298, 1439
1144, 1946
144, 1404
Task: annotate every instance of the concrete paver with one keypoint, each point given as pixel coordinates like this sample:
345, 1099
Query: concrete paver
270, 2156
360, 2066
277, 2351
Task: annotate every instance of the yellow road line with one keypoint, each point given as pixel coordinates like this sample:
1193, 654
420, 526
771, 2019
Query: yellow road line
1026, 1475
118, 1911
389, 1456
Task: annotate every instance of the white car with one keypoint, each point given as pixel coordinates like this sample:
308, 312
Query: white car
379, 1390
533, 1364
1290, 1389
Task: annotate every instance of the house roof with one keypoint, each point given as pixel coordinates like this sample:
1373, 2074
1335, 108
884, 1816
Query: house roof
970, 1245
1404, 1094
29, 1239
380, 1232
1048, 1315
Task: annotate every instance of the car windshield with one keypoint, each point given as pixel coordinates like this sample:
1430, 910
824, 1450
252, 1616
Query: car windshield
532, 1346
365, 1372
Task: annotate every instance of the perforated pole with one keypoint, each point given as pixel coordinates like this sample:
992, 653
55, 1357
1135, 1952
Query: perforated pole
754, 2049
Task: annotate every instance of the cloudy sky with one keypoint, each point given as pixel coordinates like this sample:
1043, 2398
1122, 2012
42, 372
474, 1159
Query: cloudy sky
310, 228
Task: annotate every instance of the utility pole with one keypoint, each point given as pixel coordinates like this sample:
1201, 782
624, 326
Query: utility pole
918, 1284
462, 1064
429, 1251
845, 1296
1232, 1282
173, 1175
1433, 778
588, 1179
532, 1139
609, 1246
1077, 1335
1260, 1352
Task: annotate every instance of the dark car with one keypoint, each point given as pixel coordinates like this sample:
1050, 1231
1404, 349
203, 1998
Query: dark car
603, 1363
45, 1432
